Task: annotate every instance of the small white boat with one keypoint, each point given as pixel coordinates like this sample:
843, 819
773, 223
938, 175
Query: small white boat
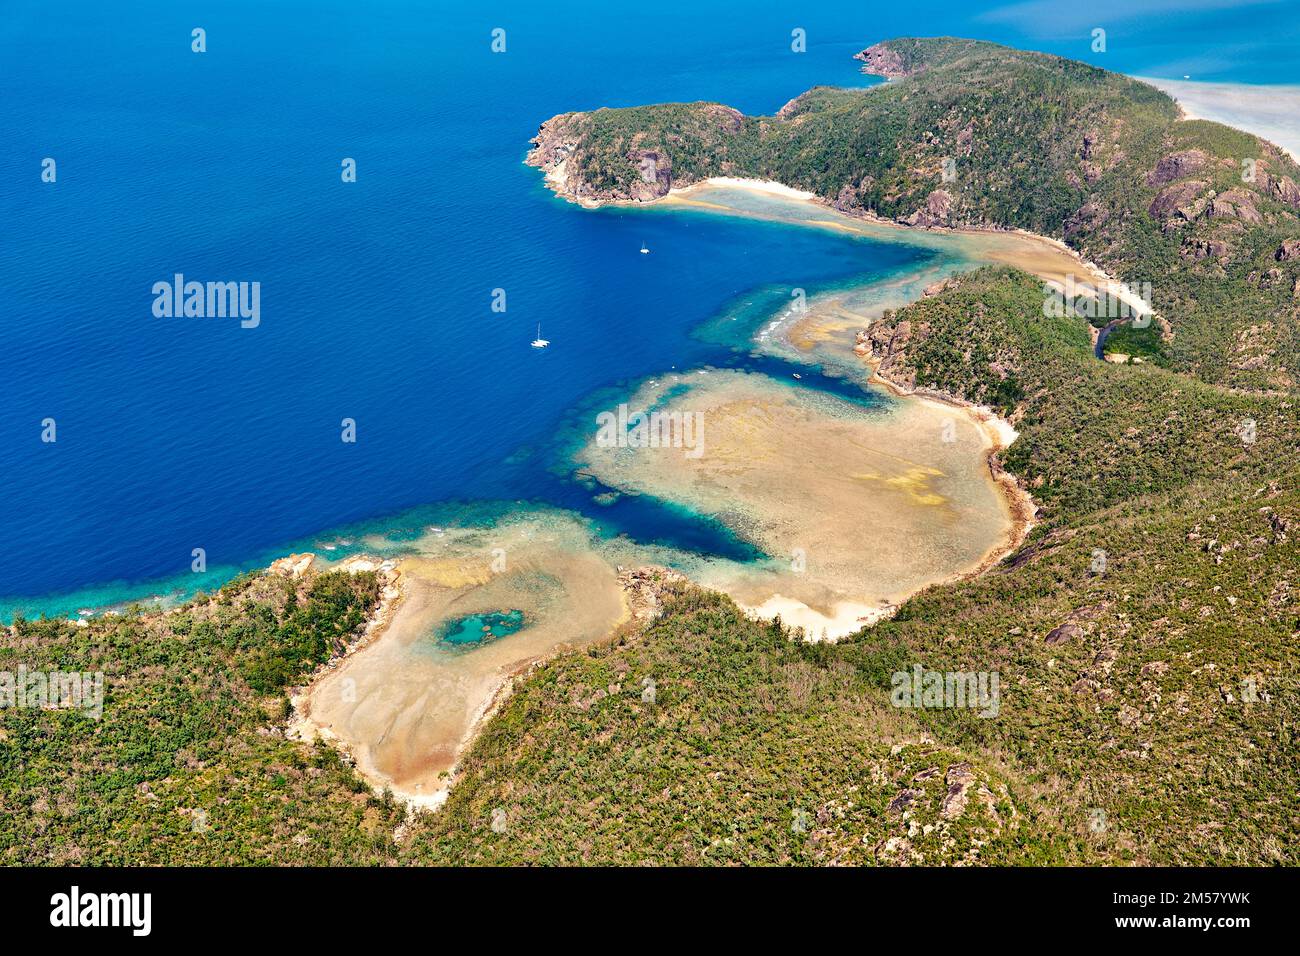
539, 342
645, 250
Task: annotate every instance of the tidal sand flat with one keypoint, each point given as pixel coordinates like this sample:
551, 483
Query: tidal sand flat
1038, 255
856, 505
477, 606
821, 329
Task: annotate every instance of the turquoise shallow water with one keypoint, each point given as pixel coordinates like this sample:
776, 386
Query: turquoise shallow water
475, 629
182, 434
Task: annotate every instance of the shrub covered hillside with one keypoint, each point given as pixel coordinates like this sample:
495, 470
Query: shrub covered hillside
188, 763
1208, 215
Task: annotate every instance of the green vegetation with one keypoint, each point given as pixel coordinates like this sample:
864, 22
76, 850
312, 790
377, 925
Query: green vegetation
1035, 142
1160, 729
755, 748
187, 764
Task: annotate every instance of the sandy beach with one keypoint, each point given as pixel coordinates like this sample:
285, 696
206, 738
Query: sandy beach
1043, 256
1271, 112
822, 330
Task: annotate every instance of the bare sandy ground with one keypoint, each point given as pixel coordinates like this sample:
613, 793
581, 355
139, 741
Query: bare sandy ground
860, 507
1048, 258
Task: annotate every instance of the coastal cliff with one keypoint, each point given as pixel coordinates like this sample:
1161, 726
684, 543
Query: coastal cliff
884, 60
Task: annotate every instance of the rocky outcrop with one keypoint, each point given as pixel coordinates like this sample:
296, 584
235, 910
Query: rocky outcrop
1198, 249
1234, 204
934, 288
966, 139
1289, 250
1283, 189
885, 343
1181, 202
292, 567
646, 588
555, 140
961, 782
944, 814
727, 118
656, 172
1077, 624
1090, 141
883, 60
1176, 166
903, 799
793, 108
1062, 633
628, 165
847, 200
935, 212
1268, 279
1087, 218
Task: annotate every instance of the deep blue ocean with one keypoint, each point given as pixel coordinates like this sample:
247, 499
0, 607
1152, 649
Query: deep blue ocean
180, 433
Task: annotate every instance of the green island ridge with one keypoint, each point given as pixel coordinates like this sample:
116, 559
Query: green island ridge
1040, 143
1149, 701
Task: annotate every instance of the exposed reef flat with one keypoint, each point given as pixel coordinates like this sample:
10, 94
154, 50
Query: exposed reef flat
823, 331
858, 507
